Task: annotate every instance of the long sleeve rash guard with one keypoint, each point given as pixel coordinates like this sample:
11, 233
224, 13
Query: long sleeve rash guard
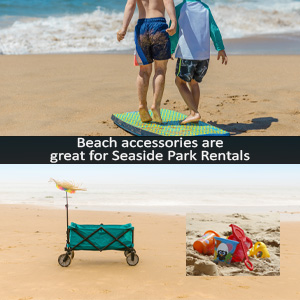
195, 27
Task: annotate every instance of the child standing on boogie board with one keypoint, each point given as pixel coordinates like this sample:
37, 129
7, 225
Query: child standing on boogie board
191, 45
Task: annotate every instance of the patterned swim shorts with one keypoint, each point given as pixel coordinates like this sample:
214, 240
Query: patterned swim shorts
188, 69
151, 40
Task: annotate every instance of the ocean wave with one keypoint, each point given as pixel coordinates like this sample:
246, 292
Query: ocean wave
96, 31
88, 32
244, 20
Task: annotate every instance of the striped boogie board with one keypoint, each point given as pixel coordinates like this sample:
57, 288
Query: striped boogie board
130, 121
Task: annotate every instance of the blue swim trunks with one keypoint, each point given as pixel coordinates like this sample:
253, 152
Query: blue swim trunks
151, 40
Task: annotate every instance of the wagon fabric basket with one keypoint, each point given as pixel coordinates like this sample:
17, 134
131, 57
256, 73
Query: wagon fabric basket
100, 237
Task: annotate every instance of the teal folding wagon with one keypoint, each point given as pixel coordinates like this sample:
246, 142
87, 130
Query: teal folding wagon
100, 237
97, 238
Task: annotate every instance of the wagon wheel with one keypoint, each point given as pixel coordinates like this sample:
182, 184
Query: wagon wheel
72, 254
64, 260
126, 252
132, 259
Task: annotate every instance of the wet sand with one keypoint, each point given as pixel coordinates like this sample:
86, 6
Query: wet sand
266, 44
77, 94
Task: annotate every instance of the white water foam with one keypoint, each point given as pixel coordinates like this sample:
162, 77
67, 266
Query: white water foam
243, 20
88, 32
96, 32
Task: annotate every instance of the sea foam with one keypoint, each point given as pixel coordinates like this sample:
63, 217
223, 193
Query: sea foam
96, 31
88, 32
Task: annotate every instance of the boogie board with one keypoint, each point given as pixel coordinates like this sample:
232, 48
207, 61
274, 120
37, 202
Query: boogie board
131, 122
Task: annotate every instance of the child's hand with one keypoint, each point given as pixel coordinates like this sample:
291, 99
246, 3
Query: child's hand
172, 56
121, 34
222, 54
172, 30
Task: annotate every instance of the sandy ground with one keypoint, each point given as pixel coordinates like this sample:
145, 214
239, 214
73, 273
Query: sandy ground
77, 94
31, 239
259, 228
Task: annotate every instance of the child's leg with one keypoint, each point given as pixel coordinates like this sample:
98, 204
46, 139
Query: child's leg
159, 79
142, 87
194, 87
188, 97
186, 94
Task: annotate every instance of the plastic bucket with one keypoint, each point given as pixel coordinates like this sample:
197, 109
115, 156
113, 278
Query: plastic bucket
206, 244
239, 253
224, 250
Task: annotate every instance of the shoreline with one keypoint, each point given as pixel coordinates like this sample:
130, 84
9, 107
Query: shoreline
287, 214
257, 45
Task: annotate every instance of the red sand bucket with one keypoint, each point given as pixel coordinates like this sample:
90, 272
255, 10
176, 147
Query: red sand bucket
206, 244
239, 252
244, 245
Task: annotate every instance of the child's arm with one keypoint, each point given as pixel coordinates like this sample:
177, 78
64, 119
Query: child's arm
216, 37
223, 54
215, 33
174, 38
128, 14
170, 8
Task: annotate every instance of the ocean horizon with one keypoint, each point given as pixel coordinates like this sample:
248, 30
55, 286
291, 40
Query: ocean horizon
90, 26
164, 198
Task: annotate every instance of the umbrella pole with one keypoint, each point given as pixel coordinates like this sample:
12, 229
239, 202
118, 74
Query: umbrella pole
67, 212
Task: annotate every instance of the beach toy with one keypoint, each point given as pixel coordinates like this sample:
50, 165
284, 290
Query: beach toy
205, 245
131, 122
259, 250
239, 236
224, 250
239, 255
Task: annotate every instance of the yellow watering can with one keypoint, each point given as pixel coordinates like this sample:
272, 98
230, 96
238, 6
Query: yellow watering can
259, 250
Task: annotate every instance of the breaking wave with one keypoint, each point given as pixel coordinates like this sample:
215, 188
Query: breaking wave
96, 31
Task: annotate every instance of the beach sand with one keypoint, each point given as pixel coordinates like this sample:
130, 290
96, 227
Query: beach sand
31, 239
77, 94
258, 227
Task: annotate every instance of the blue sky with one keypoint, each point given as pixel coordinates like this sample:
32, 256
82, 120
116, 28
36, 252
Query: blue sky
245, 175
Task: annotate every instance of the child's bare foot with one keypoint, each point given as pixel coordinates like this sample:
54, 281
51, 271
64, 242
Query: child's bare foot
144, 115
195, 118
156, 115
